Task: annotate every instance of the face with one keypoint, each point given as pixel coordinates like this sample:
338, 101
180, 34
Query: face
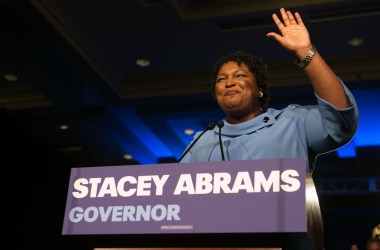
236, 90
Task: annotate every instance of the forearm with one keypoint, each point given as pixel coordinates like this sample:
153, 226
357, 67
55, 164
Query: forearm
324, 81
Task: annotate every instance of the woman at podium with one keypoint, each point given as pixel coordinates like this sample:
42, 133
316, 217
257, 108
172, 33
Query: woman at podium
251, 130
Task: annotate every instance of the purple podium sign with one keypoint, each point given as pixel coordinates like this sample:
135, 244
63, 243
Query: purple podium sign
253, 196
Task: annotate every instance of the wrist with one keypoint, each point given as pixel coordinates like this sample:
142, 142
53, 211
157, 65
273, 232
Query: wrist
302, 52
304, 57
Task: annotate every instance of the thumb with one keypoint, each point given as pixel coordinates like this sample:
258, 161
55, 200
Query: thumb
276, 36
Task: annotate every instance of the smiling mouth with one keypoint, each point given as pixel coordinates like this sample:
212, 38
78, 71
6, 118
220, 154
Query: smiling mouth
230, 93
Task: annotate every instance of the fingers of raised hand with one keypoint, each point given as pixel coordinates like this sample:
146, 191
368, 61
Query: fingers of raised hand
278, 22
285, 16
298, 18
287, 19
291, 17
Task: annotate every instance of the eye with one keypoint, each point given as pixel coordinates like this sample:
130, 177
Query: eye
240, 75
220, 79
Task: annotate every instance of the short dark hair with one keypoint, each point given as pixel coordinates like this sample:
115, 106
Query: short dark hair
255, 64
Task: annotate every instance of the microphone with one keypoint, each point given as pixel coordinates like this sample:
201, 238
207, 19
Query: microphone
211, 125
220, 126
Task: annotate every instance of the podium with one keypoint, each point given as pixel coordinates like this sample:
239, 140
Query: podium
228, 204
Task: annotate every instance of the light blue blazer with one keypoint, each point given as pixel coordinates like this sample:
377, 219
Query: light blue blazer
293, 132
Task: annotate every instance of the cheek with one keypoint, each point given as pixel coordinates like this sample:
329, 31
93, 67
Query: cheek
218, 90
218, 96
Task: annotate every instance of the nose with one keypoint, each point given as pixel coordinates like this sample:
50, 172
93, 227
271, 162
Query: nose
229, 82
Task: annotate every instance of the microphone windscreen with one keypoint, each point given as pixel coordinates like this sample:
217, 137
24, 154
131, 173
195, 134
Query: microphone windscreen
211, 125
220, 124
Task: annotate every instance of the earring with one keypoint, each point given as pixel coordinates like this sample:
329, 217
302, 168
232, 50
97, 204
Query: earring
261, 94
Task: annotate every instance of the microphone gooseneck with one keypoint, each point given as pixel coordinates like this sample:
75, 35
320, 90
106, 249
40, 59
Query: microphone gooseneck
211, 125
220, 126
